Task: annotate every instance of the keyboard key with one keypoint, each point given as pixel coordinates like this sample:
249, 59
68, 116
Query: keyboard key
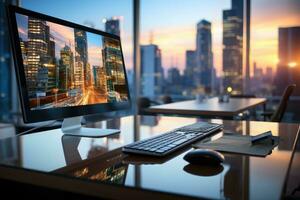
180, 141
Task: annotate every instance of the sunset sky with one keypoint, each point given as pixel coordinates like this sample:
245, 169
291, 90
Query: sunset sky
173, 24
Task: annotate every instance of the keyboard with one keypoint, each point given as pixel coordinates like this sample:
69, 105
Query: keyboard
168, 142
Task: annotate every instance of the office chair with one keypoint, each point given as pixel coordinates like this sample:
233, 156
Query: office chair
279, 112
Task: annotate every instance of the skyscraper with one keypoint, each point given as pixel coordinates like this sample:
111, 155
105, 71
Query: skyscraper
151, 71
81, 48
113, 26
99, 77
288, 68
78, 72
36, 53
49, 60
204, 55
233, 47
190, 68
66, 69
174, 76
113, 65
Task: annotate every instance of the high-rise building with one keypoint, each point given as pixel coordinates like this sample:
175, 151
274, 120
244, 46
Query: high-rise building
78, 72
113, 65
66, 69
113, 26
51, 65
233, 47
151, 71
99, 77
81, 48
50, 61
288, 68
174, 77
36, 54
190, 68
40, 67
204, 56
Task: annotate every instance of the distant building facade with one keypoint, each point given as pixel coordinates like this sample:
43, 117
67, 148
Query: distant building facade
151, 71
288, 68
81, 49
233, 47
204, 56
174, 77
190, 68
66, 69
113, 66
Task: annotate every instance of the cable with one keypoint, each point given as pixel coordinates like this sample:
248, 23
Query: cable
35, 128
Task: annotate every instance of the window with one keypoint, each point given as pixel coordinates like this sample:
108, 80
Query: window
199, 43
275, 46
202, 46
6, 70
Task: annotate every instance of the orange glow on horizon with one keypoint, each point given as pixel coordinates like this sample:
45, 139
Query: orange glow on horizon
292, 64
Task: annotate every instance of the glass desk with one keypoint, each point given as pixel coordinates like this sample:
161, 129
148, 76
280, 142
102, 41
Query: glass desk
97, 167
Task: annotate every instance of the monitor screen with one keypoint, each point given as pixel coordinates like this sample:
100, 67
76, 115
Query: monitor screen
66, 66
65, 69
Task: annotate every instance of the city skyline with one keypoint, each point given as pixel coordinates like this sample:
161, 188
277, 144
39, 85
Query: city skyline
181, 31
69, 67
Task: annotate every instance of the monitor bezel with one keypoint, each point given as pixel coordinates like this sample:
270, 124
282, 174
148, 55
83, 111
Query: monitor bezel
30, 116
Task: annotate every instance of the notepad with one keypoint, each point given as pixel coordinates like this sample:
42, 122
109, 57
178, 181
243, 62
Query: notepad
241, 144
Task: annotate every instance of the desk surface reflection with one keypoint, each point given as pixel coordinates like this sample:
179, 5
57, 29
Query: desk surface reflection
98, 165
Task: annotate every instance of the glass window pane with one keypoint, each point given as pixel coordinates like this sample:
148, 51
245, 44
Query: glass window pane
5, 64
275, 52
275, 46
191, 47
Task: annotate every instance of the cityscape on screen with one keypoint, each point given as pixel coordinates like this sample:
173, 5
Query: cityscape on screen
66, 66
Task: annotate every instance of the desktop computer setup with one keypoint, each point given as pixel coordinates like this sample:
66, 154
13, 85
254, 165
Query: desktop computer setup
65, 71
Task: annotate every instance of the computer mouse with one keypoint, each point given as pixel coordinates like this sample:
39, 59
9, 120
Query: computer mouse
204, 157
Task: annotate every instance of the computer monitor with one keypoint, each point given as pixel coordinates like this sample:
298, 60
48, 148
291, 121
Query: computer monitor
65, 70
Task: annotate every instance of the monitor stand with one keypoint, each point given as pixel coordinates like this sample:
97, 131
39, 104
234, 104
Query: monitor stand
72, 126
